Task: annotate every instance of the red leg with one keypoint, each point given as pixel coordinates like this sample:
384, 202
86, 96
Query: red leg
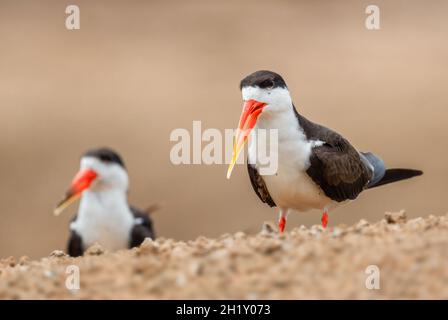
324, 219
282, 219
281, 224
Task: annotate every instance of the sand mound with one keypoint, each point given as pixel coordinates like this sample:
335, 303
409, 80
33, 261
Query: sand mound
411, 256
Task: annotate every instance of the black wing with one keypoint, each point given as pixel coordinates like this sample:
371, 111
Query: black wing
335, 166
74, 246
259, 186
143, 228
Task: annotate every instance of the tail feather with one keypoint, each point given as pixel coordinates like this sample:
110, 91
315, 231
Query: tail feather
393, 175
377, 164
152, 208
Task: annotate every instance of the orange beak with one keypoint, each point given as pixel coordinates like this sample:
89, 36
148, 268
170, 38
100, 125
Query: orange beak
80, 182
248, 119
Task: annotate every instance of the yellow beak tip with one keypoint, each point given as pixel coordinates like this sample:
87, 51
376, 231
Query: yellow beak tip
57, 211
230, 169
64, 204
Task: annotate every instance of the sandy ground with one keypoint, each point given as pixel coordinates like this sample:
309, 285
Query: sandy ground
136, 70
412, 258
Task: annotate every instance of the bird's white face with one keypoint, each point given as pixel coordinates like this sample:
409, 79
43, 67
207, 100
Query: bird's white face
275, 99
109, 175
265, 102
95, 175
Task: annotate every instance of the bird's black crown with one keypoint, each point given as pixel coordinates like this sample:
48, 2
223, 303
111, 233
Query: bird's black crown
263, 79
105, 155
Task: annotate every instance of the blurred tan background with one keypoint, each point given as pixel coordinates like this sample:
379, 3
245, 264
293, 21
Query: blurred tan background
136, 70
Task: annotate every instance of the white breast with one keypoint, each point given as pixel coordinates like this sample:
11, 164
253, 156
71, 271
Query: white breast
104, 218
291, 187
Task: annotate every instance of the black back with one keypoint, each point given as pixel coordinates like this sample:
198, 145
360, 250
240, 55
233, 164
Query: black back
336, 166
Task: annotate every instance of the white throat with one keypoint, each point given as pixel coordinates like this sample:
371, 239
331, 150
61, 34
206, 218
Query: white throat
290, 187
293, 147
104, 217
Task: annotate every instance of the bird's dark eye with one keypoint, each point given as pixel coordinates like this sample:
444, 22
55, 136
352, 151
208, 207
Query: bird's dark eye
267, 84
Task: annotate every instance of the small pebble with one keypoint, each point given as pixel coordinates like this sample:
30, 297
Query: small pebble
395, 217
